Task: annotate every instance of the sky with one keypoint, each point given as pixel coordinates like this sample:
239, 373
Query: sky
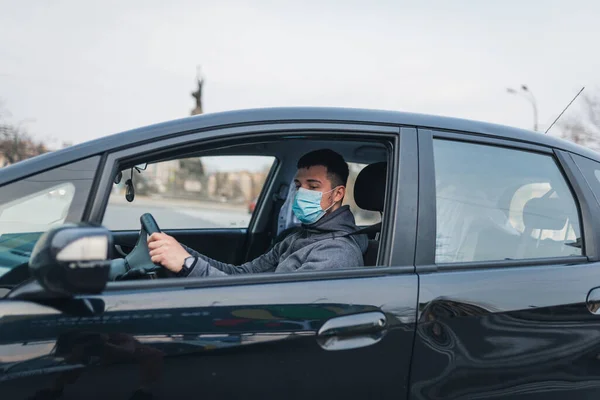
72, 71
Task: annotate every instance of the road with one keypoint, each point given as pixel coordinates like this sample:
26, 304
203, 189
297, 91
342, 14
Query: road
175, 215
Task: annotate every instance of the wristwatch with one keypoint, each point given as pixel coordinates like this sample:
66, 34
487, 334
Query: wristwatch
187, 267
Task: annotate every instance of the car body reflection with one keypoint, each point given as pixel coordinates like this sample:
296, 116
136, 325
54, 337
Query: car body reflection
95, 345
473, 351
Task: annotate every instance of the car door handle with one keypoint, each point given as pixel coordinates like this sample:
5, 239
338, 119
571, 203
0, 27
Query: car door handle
593, 301
352, 331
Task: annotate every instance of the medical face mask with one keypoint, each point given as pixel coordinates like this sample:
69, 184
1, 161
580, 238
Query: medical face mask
307, 205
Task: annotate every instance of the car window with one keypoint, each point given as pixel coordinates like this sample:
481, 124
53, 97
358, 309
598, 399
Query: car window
38, 211
191, 193
494, 203
31, 206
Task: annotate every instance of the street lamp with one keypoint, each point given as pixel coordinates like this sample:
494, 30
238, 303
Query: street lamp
525, 92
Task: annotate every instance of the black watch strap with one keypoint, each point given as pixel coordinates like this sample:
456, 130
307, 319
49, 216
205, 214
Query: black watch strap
187, 267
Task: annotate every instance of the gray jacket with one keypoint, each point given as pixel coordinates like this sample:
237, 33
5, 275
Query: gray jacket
319, 246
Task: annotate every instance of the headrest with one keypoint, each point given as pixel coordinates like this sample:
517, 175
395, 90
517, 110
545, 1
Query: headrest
544, 213
369, 188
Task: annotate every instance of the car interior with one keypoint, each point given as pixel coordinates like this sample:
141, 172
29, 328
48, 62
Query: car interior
548, 214
239, 245
509, 221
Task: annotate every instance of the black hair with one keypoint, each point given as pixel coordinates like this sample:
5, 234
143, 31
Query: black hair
337, 168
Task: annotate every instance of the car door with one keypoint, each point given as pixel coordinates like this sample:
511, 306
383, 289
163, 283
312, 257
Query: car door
507, 258
329, 334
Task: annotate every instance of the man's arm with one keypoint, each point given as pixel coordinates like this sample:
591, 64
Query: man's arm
206, 266
169, 253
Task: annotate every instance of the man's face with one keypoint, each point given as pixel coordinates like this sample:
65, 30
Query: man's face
315, 178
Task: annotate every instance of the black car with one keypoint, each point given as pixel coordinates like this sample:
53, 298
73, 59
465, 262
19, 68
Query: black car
481, 280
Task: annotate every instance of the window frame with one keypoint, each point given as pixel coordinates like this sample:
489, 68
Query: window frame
583, 165
398, 229
427, 230
589, 207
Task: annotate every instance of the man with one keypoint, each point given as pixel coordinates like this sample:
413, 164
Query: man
324, 241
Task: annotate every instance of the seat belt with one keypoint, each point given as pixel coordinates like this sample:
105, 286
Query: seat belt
367, 230
278, 202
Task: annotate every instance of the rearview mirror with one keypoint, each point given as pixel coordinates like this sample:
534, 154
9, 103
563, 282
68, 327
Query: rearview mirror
72, 259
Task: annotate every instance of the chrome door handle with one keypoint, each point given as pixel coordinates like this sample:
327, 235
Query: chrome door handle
593, 301
352, 331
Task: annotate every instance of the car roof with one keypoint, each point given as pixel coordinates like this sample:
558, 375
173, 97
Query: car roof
279, 115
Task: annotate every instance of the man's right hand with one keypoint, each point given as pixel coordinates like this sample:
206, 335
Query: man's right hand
167, 251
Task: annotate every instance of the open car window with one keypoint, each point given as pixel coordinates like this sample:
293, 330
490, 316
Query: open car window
206, 201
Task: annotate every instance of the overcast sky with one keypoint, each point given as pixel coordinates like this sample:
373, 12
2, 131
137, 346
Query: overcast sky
78, 70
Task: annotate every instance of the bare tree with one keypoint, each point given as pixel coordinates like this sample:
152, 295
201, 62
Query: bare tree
15, 143
583, 127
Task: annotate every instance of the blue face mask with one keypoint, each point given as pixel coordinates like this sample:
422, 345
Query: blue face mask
307, 205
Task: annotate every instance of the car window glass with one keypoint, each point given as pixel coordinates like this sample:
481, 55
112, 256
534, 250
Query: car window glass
37, 212
495, 203
33, 205
191, 193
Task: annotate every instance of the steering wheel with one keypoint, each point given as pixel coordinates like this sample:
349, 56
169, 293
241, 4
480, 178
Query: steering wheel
138, 264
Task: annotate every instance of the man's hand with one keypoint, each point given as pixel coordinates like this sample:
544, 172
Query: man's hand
166, 251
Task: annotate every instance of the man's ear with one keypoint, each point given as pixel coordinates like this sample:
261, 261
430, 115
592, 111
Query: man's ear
339, 193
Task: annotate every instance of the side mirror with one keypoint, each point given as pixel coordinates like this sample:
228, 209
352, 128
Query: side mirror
72, 259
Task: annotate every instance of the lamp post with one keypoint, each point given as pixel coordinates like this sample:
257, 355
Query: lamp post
525, 92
